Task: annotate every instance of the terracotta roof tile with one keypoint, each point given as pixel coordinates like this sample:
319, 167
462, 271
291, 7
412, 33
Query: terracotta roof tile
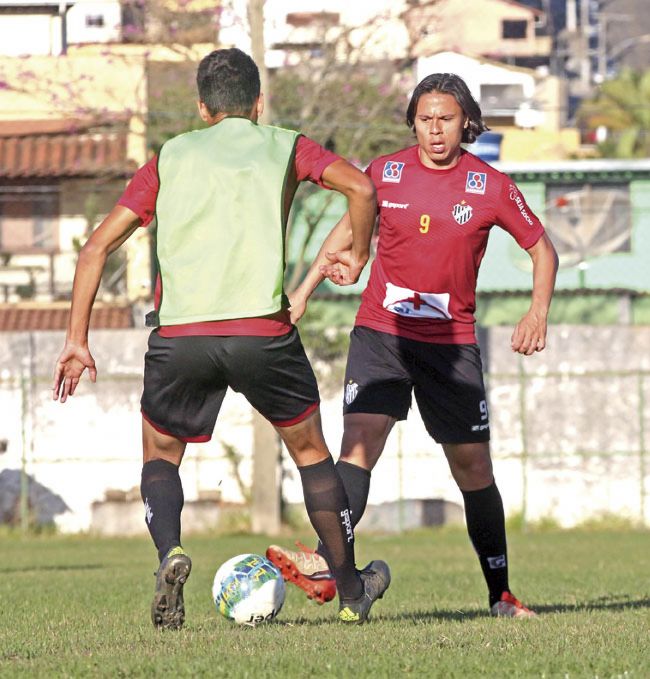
49, 149
27, 317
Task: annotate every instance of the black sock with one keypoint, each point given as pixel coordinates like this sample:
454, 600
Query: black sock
162, 494
487, 531
327, 507
356, 481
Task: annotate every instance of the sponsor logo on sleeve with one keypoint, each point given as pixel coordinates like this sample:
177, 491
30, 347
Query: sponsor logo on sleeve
392, 172
462, 212
476, 182
515, 196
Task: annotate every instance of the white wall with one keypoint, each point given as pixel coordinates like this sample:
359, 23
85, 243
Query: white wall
576, 460
35, 34
474, 72
80, 32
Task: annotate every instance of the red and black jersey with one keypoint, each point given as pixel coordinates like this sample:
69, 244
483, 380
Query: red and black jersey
433, 231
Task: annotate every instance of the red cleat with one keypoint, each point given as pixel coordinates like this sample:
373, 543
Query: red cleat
510, 607
305, 569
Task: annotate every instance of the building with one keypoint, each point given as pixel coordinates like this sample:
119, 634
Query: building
502, 30
48, 27
74, 115
56, 177
295, 30
524, 105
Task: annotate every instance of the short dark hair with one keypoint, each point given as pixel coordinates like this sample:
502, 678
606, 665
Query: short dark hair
228, 81
450, 83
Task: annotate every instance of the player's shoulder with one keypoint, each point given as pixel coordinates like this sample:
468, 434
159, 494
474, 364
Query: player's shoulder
481, 175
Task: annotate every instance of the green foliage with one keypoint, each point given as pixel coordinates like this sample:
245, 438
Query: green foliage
172, 100
517, 522
622, 105
356, 112
79, 606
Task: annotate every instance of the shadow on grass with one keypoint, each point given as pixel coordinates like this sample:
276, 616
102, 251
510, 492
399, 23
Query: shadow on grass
420, 616
600, 604
39, 569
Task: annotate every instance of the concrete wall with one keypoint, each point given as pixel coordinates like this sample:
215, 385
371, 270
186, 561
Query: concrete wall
569, 429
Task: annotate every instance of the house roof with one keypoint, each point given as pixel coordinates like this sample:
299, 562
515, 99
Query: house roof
35, 316
62, 148
481, 59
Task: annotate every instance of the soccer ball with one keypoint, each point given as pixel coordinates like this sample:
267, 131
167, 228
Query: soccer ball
248, 589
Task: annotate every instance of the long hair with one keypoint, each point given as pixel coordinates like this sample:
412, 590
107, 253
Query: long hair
450, 83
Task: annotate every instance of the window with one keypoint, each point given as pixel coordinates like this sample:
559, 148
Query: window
514, 29
29, 221
95, 20
588, 220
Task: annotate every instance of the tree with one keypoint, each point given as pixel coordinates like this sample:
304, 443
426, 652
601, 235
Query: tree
622, 106
352, 107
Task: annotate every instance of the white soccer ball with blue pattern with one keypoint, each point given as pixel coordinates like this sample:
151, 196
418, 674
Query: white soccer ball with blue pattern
248, 589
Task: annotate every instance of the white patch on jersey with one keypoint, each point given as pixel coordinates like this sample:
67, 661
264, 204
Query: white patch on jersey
399, 206
476, 182
462, 212
406, 302
392, 172
351, 391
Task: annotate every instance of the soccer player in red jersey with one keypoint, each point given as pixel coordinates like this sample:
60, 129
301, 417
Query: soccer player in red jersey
222, 196
414, 331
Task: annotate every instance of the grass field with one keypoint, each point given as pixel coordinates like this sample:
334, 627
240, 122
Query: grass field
79, 606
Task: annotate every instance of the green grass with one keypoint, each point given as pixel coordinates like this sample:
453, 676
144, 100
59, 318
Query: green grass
79, 606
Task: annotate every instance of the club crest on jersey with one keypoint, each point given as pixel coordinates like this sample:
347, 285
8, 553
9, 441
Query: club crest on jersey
392, 171
476, 182
462, 212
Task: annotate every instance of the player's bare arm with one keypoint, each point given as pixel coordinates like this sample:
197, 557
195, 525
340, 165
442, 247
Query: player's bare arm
76, 357
362, 210
529, 335
339, 238
342, 255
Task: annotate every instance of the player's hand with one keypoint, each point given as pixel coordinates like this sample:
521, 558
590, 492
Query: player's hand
297, 308
74, 359
529, 335
344, 267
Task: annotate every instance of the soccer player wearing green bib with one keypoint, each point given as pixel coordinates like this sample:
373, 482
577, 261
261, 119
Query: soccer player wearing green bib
221, 197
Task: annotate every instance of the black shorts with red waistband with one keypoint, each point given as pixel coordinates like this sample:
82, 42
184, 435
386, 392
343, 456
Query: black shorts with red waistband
186, 378
384, 370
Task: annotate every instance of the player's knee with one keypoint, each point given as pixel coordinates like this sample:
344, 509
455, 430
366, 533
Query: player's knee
476, 471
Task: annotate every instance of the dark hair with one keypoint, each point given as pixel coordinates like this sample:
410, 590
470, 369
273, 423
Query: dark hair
228, 81
450, 83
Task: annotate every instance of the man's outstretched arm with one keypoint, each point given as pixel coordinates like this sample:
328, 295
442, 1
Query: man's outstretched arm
347, 246
76, 357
